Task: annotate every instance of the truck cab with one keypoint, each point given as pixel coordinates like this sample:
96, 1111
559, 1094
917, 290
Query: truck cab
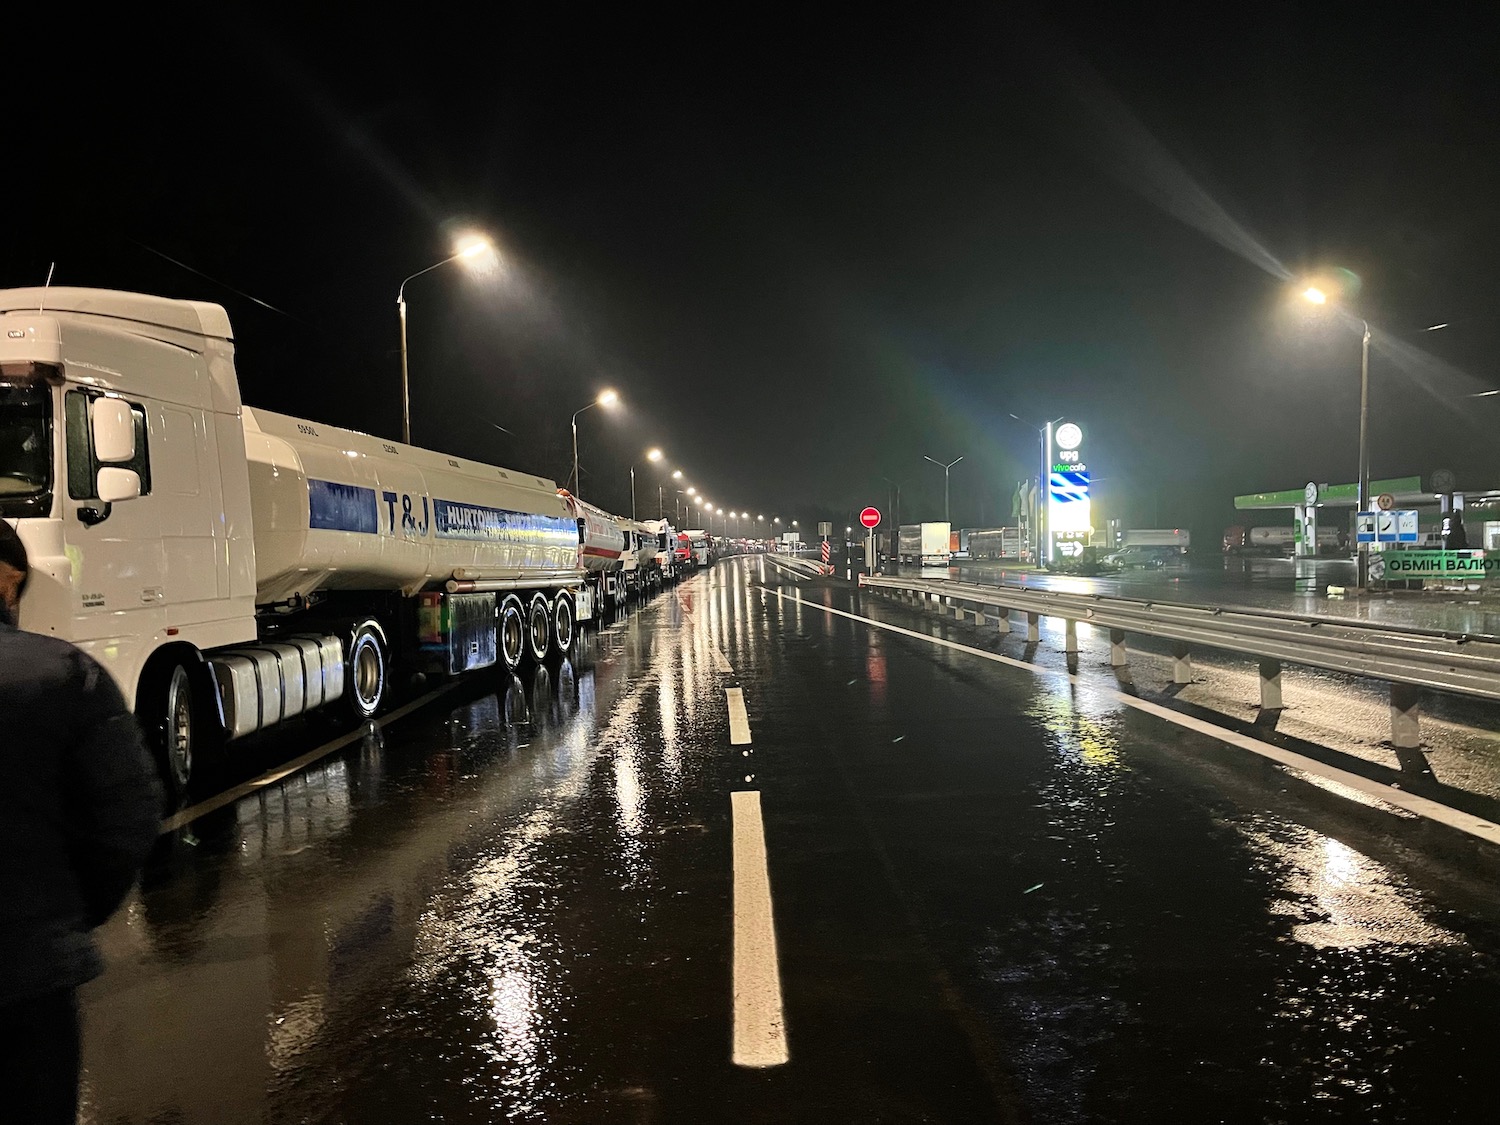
232, 568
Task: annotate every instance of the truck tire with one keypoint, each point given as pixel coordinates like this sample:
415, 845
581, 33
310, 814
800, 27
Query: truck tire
562, 624
365, 689
538, 628
511, 633
174, 730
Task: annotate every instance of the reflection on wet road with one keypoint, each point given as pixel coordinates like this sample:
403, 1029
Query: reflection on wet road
997, 896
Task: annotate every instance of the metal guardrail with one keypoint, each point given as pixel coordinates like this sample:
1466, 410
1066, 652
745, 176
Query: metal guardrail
1407, 659
804, 568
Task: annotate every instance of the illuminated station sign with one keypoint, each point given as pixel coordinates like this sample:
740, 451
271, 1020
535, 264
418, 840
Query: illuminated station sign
1069, 521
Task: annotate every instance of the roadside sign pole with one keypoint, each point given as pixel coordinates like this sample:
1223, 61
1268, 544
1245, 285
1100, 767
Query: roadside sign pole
870, 518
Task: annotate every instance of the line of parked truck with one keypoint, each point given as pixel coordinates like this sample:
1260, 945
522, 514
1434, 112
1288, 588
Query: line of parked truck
233, 568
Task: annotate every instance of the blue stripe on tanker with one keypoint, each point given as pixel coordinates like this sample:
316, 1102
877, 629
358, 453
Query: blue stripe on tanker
333, 506
452, 520
341, 507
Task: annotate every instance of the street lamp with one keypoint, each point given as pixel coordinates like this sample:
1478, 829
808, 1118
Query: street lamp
676, 509
604, 398
946, 470
470, 247
1313, 295
895, 512
651, 455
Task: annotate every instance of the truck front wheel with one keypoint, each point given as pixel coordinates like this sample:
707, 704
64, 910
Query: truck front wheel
367, 672
175, 730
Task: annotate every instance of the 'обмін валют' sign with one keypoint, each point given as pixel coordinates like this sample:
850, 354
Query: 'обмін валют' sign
1440, 564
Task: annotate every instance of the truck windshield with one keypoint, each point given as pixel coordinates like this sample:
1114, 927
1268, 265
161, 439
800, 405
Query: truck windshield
25, 445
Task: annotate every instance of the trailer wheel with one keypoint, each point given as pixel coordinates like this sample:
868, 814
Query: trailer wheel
367, 672
562, 624
538, 628
512, 633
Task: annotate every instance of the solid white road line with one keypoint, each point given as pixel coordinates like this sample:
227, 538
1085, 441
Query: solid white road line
739, 722
229, 796
1400, 798
759, 1018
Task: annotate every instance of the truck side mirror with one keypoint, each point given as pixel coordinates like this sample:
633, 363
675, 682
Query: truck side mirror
114, 484
114, 433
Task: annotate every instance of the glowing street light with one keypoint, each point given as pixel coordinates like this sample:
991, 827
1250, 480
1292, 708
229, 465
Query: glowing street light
603, 398
651, 455
469, 248
1316, 296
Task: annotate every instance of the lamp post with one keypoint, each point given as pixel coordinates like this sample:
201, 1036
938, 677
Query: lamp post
604, 398
1317, 296
946, 470
651, 455
470, 247
895, 514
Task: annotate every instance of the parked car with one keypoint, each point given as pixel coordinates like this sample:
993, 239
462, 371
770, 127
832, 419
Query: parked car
1144, 558
1087, 563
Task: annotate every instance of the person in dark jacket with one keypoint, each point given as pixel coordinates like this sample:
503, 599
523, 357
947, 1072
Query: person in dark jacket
80, 808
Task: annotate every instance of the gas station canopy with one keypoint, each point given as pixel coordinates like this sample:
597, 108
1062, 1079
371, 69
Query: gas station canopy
1408, 491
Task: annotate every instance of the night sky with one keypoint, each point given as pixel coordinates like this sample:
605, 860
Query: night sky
808, 246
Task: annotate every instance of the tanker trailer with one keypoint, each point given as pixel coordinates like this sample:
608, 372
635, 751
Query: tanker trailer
663, 568
601, 546
232, 568
639, 559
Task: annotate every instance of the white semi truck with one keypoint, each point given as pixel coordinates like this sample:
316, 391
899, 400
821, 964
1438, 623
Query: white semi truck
705, 553
233, 568
926, 544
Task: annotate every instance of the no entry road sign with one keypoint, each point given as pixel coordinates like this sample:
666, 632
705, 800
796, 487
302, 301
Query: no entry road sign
870, 517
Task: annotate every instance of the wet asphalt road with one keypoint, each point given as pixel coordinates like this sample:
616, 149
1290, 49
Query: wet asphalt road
998, 895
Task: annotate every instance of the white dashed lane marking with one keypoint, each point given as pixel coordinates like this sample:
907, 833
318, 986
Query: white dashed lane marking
759, 1016
739, 722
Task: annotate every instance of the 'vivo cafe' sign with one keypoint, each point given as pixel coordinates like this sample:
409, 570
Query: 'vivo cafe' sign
1440, 564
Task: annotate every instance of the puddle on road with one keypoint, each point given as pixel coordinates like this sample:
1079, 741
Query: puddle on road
1337, 897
